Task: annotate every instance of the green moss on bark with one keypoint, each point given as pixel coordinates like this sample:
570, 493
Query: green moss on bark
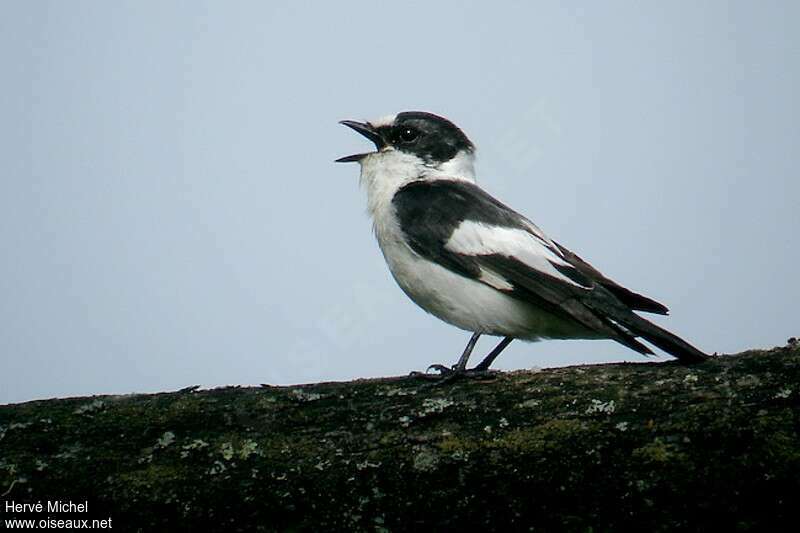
658, 447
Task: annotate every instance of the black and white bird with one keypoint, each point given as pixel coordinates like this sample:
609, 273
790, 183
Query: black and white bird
477, 264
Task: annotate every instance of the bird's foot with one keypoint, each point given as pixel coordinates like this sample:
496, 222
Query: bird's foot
442, 370
448, 374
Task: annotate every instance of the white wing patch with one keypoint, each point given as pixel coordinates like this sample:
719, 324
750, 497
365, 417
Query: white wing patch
477, 238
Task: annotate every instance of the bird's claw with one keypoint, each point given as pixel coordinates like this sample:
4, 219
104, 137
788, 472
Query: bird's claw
441, 369
440, 372
448, 374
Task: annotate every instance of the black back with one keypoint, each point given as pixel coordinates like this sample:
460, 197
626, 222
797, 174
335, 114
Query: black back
430, 211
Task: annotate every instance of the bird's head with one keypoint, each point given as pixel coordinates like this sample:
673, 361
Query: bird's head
429, 141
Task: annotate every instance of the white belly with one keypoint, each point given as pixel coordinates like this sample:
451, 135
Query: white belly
467, 303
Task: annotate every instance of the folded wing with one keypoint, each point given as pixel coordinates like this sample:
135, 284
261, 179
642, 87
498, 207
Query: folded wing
458, 225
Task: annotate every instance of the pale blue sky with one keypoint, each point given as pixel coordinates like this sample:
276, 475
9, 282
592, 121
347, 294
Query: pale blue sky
170, 214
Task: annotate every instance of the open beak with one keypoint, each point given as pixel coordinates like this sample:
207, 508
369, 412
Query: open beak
365, 129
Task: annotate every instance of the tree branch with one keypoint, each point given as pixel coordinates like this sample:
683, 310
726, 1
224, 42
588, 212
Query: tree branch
651, 447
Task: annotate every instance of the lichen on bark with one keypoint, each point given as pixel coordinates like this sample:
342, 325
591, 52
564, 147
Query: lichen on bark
651, 446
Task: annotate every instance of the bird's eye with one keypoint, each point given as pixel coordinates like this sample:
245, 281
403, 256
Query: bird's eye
407, 134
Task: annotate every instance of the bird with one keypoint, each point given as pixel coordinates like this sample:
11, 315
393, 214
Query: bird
475, 263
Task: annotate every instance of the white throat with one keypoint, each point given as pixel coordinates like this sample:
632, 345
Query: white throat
382, 173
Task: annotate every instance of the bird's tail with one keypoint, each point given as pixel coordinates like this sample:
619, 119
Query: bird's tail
669, 342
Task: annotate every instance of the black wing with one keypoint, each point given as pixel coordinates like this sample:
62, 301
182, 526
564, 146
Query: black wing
458, 225
633, 300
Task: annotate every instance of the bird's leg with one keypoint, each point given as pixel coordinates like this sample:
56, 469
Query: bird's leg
458, 370
459, 367
489, 359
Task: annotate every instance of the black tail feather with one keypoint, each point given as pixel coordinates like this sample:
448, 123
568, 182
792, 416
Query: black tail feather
658, 336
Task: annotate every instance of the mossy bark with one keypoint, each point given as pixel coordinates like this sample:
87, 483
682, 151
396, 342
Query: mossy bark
650, 447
